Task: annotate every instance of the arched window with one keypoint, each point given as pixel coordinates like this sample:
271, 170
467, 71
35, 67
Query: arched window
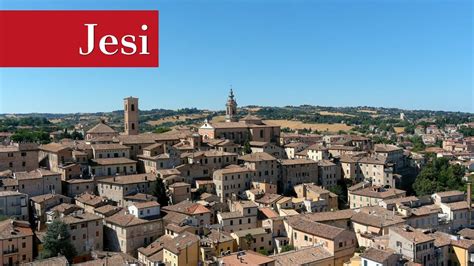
133, 107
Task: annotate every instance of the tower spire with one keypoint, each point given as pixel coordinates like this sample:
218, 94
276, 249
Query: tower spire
231, 107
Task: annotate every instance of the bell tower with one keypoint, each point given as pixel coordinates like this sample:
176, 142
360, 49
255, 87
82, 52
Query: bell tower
231, 108
130, 108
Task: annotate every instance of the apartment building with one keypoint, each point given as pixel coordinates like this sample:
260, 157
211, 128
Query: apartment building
38, 182
43, 203
363, 194
126, 232
112, 166
89, 202
317, 152
16, 242
14, 204
329, 174
264, 165
268, 147
53, 155
242, 216
182, 250
317, 193
19, 157
179, 191
110, 150
86, 231
338, 241
413, 244
292, 148
158, 156
297, 171
392, 153
375, 169
117, 187
261, 239
199, 216
211, 159
231, 180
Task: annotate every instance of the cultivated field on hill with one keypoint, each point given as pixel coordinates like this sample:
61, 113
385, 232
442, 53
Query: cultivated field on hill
176, 118
319, 127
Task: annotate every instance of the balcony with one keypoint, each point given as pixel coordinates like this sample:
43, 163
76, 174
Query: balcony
10, 251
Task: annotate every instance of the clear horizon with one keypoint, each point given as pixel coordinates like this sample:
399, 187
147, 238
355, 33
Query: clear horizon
413, 55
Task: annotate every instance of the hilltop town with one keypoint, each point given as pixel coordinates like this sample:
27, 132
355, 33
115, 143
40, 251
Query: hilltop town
247, 186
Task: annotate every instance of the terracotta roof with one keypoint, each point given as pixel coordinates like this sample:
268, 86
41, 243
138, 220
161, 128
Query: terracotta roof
253, 231
90, 199
65, 208
386, 148
314, 228
146, 204
38, 173
378, 192
467, 233
329, 216
317, 147
113, 161
175, 217
232, 169
377, 217
80, 218
46, 197
377, 255
129, 179
107, 210
123, 219
463, 243
187, 207
326, 163
256, 157
304, 256
268, 198
268, 212
156, 246
101, 128
179, 184
109, 258
295, 145
11, 193
297, 161
14, 229
230, 215
111, 146
53, 147
140, 197
219, 236
449, 193
181, 242
414, 235
249, 258
460, 205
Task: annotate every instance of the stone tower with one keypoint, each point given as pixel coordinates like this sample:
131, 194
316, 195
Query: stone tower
231, 108
130, 108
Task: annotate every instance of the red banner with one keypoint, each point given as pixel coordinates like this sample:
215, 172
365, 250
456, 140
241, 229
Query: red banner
79, 38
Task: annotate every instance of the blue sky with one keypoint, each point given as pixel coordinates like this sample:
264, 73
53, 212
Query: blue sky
408, 53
